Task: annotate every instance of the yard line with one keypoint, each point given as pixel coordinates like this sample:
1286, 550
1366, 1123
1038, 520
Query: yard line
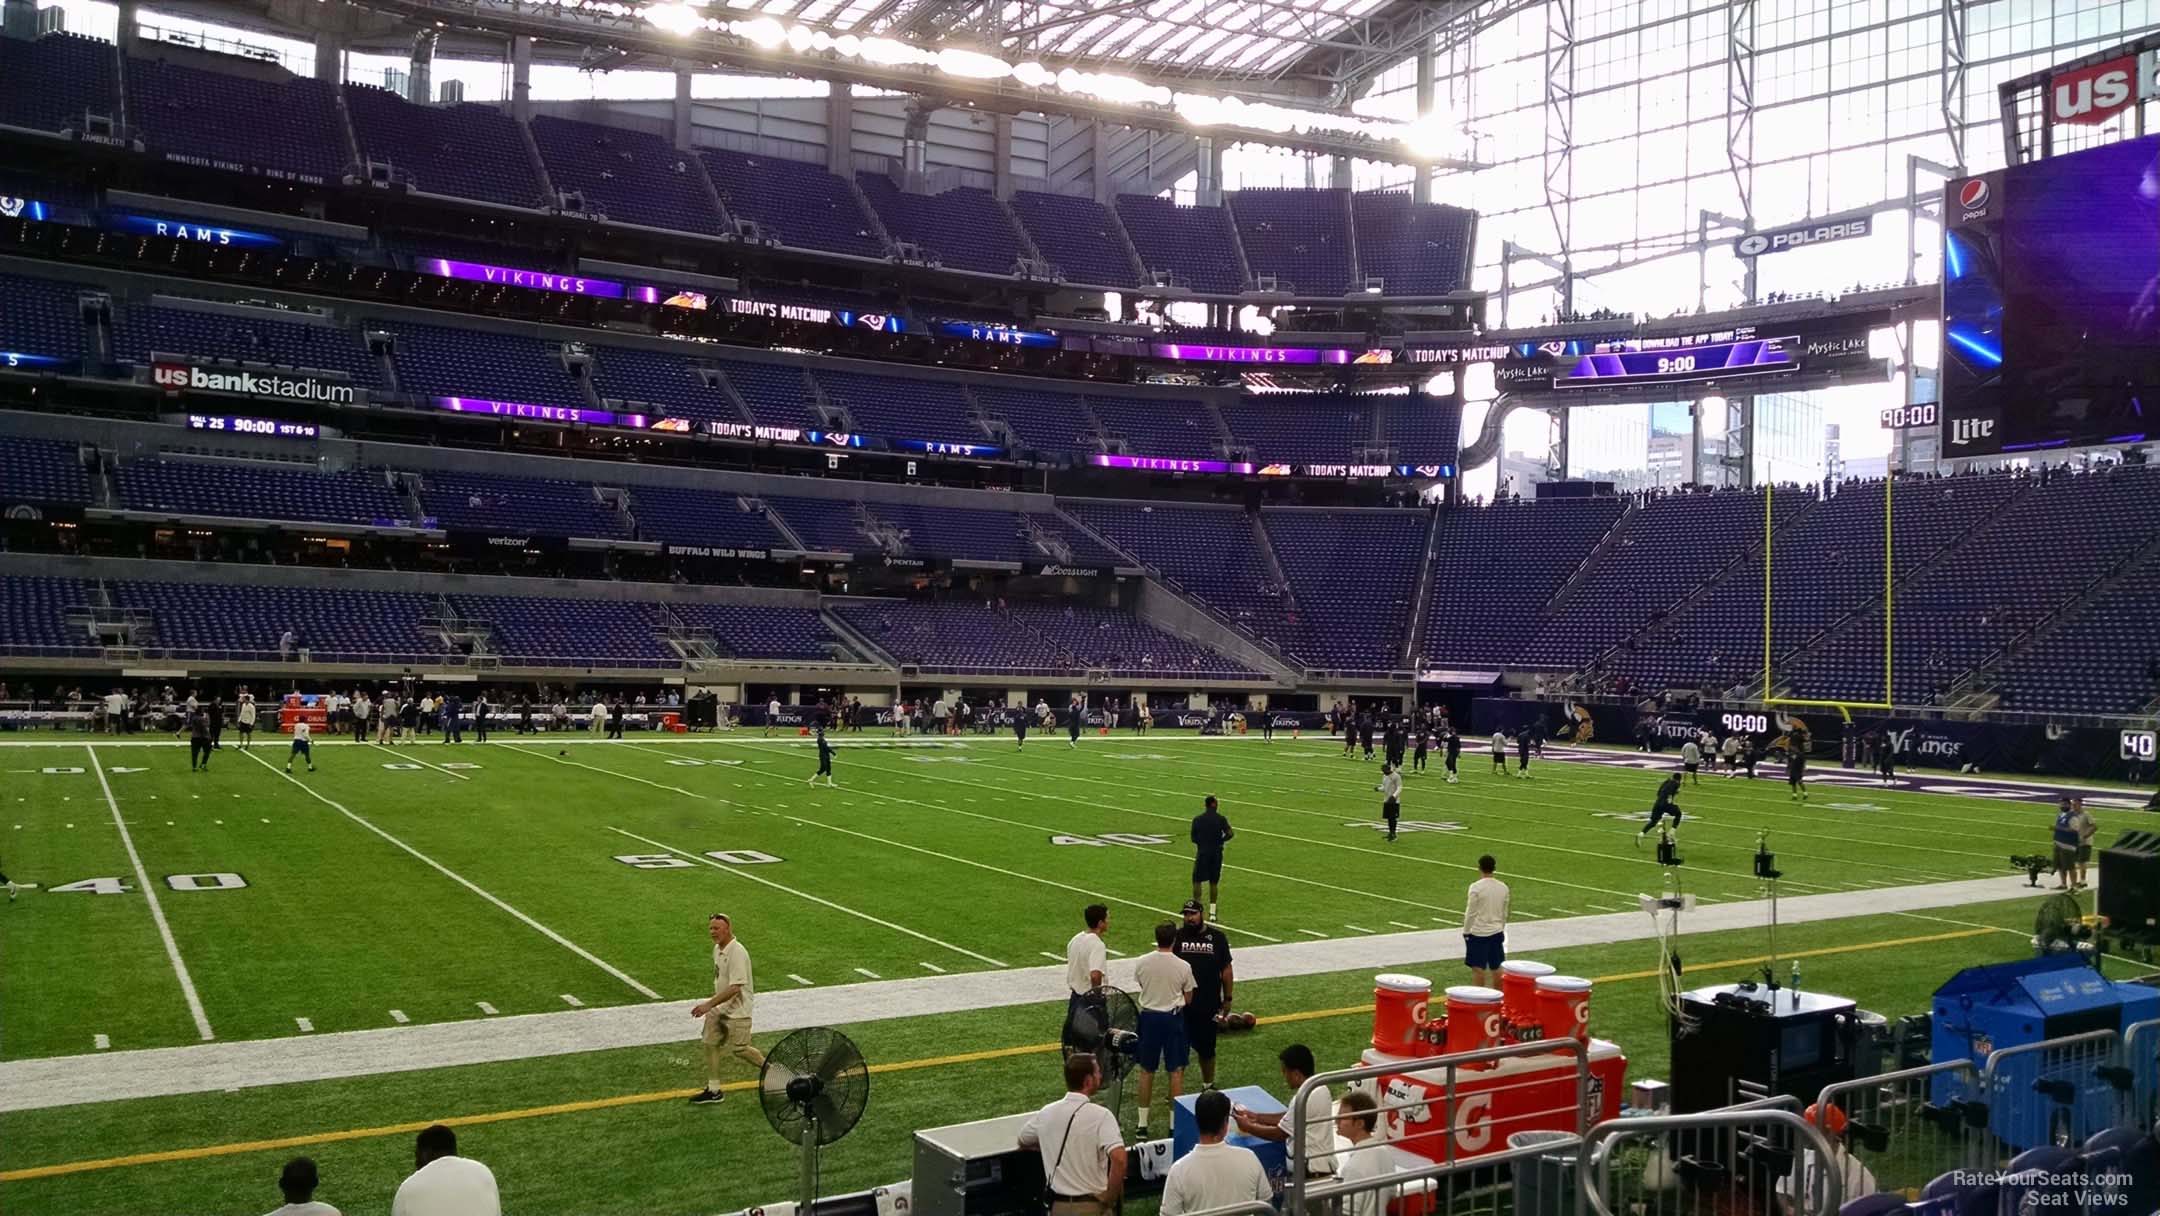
157, 911
673, 789
1056, 958
306, 1027
866, 971
462, 881
100, 1042
1313, 932
425, 764
1113, 952
980, 865
741, 872
485, 1008
398, 1016
572, 1001
1305, 840
1400, 925
1036, 827
802, 980
933, 967
1359, 928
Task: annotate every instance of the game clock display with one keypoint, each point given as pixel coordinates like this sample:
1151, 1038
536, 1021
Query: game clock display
1752, 357
2140, 746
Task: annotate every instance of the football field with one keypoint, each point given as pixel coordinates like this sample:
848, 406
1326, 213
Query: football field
431, 887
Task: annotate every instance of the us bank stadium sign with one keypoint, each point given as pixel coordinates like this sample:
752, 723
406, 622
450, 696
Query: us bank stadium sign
174, 377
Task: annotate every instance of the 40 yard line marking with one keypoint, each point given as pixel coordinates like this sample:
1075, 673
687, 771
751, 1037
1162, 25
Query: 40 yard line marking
157, 912
740, 872
448, 873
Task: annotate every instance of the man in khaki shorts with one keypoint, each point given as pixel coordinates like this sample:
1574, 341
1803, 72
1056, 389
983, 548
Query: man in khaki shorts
727, 1014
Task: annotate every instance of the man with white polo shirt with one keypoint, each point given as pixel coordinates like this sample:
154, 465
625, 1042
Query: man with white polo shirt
1215, 1173
1319, 1120
1086, 961
772, 714
1166, 984
1083, 1155
1484, 930
727, 1014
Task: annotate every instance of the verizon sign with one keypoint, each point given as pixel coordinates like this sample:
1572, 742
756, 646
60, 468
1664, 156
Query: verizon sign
279, 386
2097, 92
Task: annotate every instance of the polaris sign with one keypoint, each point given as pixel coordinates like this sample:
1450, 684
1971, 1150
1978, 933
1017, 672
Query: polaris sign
1755, 244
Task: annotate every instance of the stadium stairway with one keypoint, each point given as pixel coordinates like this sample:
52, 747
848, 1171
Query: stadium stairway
1414, 640
1614, 536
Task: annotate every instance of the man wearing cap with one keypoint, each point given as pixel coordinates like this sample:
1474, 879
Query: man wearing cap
1207, 951
727, 1014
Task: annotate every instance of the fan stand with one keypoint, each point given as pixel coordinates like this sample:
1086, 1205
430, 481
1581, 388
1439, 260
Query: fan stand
807, 1193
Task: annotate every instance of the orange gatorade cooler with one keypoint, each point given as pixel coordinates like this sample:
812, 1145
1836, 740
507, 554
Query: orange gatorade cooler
1473, 1018
1399, 1004
1518, 989
1564, 1006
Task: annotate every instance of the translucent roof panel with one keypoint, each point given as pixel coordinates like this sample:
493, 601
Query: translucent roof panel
1214, 37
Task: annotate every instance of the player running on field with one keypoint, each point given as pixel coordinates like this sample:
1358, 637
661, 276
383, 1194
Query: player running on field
1522, 754
1667, 790
824, 762
1796, 749
300, 745
9, 884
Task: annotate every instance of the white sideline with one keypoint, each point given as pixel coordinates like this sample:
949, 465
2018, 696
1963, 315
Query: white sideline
214, 1067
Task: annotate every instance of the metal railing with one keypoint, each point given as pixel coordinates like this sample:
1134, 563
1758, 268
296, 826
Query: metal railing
1460, 1125
1897, 1134
1762, 1158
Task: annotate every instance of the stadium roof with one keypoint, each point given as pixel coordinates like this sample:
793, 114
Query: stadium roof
1329, 43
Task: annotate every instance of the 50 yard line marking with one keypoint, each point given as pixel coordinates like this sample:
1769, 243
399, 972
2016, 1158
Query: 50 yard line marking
443, 870
157, 912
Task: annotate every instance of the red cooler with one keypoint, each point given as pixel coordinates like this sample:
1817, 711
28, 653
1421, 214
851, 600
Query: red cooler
1399, 1004
1473, 1018
1564, 1006
1518, 989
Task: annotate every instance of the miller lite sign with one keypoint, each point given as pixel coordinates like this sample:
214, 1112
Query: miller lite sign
2097, 92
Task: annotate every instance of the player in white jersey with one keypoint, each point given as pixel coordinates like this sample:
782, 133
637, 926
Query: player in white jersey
300, 746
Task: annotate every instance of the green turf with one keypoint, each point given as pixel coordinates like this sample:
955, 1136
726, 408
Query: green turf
927, 857
934, 857
708, 1160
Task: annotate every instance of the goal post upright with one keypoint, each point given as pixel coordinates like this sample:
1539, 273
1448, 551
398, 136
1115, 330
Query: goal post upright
1844, 708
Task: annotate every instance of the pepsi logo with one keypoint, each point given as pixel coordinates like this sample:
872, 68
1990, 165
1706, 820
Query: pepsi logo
1973, 193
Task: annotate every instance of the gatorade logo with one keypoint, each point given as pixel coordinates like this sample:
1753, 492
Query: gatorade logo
1582, 1013
1419, 1010
1492, 1027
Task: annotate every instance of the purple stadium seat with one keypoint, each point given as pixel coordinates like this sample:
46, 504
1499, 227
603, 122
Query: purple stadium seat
42, 471
1302, 237
776, 393
761, 631
666, 381
546, 506
680, 515
33, 612
903, 407
466, 151
793, 202
52, 82
1192, 242
1078, 236
1353, 578
444, 361
253, 117
542, 632
42, 316
1417, 249
204, 619
139, 331
964, 228
1495, 568
630, 176
253, 490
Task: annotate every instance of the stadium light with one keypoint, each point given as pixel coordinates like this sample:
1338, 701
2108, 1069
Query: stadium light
1429, 138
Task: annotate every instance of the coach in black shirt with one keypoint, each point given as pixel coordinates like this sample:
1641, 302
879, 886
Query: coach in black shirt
1207, 952
1210, 830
